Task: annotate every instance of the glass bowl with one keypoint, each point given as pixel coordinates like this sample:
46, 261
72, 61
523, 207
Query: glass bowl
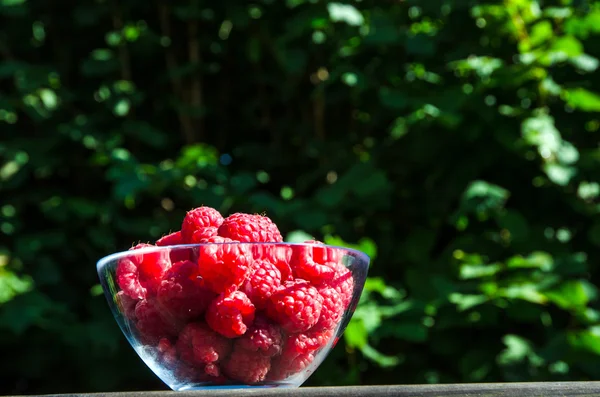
233, 315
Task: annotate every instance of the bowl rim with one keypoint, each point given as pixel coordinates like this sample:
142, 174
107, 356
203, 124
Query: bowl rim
104, 261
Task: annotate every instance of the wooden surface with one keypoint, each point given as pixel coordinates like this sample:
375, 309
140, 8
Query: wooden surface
563, 389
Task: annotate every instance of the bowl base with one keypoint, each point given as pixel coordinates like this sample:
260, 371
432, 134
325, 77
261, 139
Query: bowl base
229, 387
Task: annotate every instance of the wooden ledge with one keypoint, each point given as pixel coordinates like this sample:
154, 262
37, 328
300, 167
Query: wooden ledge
550, 389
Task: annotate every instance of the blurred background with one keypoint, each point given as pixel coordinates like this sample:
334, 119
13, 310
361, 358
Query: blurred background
456, 142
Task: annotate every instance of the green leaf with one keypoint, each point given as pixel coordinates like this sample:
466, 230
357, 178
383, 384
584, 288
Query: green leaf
572, 294
298, 236
582, 99
539, 260
466, 302
468, 271
517, 350
585, 63
347, 13
560, 174
568, 45
541, 32
378, 357
526, 291
481, 198
365, 245
356, 334
12, 285
377, 284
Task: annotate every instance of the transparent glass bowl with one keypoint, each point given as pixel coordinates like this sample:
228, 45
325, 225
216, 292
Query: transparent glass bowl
216, 315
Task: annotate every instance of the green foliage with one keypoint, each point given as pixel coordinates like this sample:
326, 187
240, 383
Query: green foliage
455, 142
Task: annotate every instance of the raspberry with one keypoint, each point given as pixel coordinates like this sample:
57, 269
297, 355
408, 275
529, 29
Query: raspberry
176, 255
322, 254
279, 255
303, 343
247, 367
284, 367
308, 263
343, 283
170, 239
296, 306
250, 228
196, 221
230, 315
332, 310
152, 324
138, 275
224, 267
167, 352
181, 292
126, 305
261, 284
262, 337
198, 344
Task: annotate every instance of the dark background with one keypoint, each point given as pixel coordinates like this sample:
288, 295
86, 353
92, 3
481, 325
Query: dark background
456, 142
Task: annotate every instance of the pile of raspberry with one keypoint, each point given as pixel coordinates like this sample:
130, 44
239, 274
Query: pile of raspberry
224, 312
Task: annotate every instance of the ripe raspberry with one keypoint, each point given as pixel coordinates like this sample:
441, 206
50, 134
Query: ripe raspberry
279, 255
230, 315
176, 255
152, 323
303, 343
261, 284
198, 344
224, 267
296, 306
284, 367
343, 282
250, 228
126, 305
308, 263
262, 337
196, 221
138, 275
167, 352
181, 292
332, 310
323, 254
247, 367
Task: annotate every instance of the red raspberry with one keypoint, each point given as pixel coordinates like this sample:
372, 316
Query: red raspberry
247, 367
139, 275
152, 323
250, 228
167, 352
284, 367
343, 282
277, 254
126, 305
224, 267
296, 306
261, 284
262, 337
179, 254
323, 254
231, 315
198, 344
332, 310
196, 221
303, 343
308, 263
181, 292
